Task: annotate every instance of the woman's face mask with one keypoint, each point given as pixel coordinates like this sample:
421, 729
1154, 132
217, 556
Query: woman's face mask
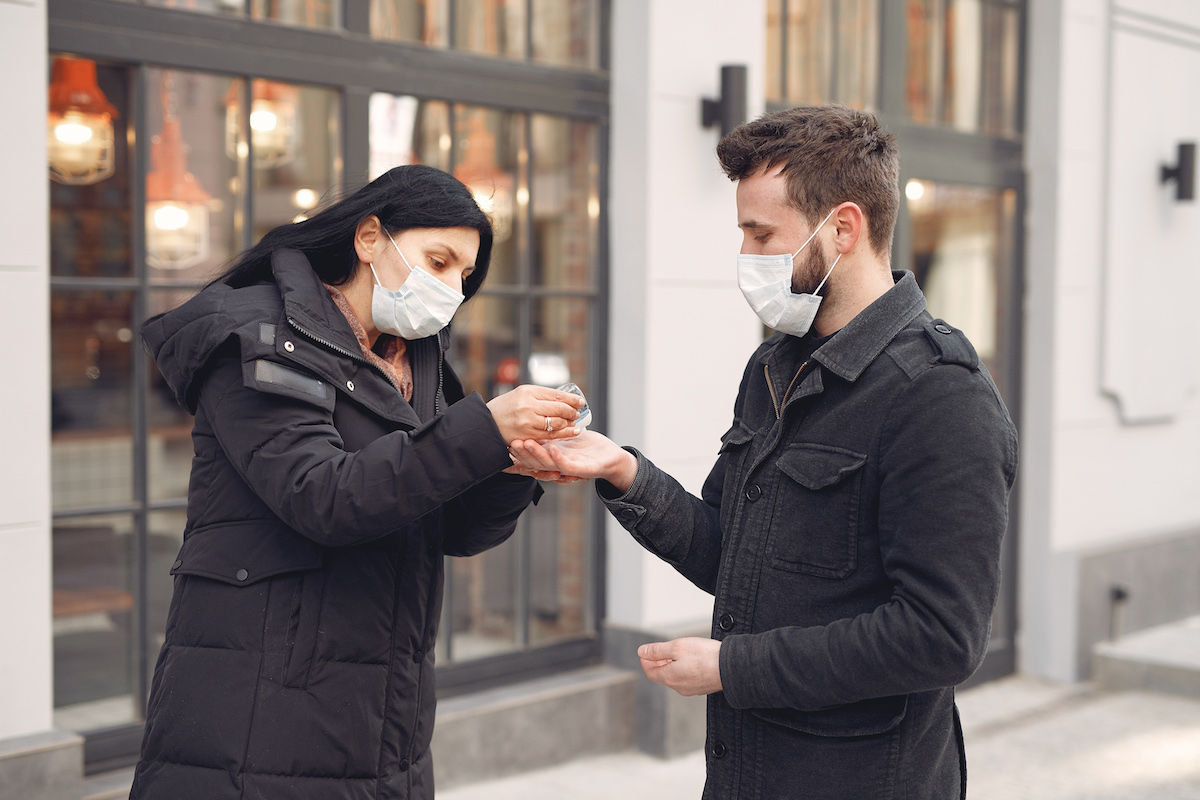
766, 283
421, 307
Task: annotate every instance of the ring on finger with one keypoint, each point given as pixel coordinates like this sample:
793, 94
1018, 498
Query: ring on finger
549, 427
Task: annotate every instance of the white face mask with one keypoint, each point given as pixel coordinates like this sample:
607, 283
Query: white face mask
766, 283
421, 307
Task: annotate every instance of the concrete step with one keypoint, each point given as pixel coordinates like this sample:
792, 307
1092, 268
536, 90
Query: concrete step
1165, 659
517, 728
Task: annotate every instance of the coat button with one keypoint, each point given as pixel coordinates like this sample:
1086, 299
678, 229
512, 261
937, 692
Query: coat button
177, 564
629, 515
404, 765
291, 348
718, 749
726, 622
242, 574
417, 656
943, 329
753, 492
350, 385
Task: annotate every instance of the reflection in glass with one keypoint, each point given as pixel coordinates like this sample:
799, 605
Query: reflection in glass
482, 601
423, 21
562, 328
191, 191
90, 224
235, 8
962, 64
486, 344
286, 189
559, 563
407, 130
490, 27
821, 51
321, 14
489, 145
566, 202
164, 537
93, 626
91, 450
962, 254
565, 33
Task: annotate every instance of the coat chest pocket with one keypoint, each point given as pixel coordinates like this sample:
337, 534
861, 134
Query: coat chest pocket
816, 519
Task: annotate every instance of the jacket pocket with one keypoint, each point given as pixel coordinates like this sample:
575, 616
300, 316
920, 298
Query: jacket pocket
816, 528
864, 718
735, 447
246, 554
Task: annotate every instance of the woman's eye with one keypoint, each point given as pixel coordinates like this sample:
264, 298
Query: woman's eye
437, 264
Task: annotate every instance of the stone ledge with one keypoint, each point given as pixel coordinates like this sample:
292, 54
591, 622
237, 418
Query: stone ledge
46, 766
1164, 659
531, 725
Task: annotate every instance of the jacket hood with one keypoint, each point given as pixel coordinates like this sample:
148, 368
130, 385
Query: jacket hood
182, 341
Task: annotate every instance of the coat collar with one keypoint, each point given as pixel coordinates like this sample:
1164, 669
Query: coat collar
307, 303
852, 349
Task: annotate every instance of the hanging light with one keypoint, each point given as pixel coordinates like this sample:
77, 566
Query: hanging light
79, 124
490, 185
177, 231
273, 129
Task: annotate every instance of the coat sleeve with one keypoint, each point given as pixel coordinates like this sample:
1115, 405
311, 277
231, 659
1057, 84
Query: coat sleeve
947, 463
293, 458
663, 517
486, 514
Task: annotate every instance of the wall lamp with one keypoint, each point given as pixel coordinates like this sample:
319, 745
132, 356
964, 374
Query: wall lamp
1183, 173
730, 110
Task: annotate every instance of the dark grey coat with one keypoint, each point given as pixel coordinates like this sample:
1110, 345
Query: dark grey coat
298, 661
850, 532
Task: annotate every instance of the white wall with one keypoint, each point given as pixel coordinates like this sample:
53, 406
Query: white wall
680, 331
1111, 411
26, 698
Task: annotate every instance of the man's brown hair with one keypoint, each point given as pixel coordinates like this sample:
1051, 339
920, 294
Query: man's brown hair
829, 155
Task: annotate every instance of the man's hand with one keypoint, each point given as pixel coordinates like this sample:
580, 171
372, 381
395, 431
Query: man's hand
690, 666
588, 455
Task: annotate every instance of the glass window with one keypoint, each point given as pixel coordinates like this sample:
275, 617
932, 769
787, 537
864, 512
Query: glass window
490, 27
294, 150
489, 151
962, 64
963, 257
193, 189
822, 51
93, 622
320, 14
565, 33
423, 21
565, 200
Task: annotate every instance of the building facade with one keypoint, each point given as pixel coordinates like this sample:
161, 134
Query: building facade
1033, 139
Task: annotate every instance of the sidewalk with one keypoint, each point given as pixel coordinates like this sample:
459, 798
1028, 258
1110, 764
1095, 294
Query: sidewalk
1026, 740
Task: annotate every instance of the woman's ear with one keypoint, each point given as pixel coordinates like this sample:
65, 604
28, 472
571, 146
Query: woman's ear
366, 238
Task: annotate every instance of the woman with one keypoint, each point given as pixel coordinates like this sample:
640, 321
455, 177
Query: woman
336, 462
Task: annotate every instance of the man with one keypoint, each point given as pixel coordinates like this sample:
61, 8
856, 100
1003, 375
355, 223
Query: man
850, 529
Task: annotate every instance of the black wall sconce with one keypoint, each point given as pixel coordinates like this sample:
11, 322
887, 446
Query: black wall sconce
1183, 173
730, 110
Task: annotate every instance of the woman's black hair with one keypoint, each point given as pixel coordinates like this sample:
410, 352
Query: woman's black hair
411, 196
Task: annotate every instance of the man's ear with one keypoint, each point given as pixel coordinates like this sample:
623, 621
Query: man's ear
366, 238
849, 226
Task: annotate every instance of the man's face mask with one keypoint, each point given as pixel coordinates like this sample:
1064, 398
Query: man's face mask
421, 307
766, 283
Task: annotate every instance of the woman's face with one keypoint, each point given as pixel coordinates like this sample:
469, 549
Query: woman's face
447, 254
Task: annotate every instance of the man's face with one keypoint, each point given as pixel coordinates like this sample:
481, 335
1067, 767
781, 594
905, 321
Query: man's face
771, 225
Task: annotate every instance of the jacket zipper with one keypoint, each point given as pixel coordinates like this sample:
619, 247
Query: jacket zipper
341, 350
771, 387
441, 377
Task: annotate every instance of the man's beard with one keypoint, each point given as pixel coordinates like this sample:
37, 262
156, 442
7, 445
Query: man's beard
810, 272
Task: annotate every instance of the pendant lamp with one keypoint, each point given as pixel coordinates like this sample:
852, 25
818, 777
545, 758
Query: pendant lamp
79, 124
273, 130
177, 230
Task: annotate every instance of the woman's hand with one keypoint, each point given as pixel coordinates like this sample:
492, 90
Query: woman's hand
588, 455
536, 412
541, 475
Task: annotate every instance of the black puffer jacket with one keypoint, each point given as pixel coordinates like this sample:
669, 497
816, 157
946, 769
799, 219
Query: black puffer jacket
298, 660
